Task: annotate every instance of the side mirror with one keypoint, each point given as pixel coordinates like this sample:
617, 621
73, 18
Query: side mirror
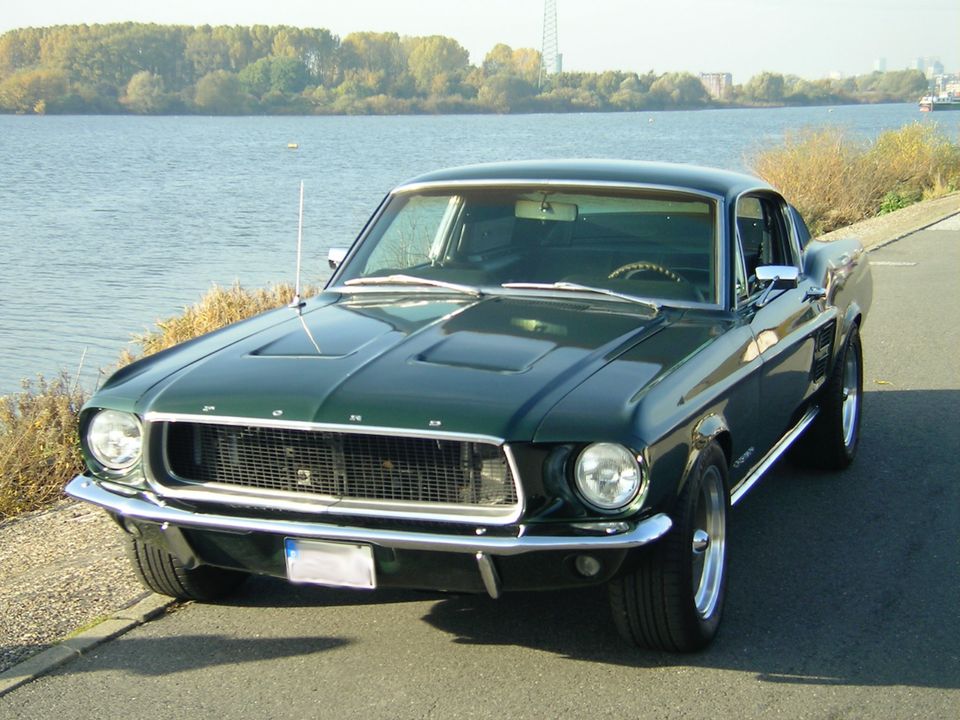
777, 277
335, 256
785, 277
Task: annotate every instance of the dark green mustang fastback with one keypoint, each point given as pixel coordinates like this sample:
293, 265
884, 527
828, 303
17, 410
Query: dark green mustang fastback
533, 375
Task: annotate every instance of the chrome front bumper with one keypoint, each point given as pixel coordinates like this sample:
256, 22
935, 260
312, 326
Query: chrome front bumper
142, 506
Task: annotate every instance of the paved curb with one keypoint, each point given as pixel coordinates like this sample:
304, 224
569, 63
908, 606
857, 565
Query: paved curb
73, 647
882, 230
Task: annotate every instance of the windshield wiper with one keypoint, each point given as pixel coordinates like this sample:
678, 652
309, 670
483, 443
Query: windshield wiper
576, 287
413, 280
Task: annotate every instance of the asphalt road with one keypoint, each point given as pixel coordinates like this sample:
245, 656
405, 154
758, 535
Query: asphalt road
844, 598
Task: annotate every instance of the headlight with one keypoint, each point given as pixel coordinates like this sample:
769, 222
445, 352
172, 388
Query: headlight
608, 476
114, 439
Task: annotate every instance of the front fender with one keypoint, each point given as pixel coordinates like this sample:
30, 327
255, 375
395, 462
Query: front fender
711, 428
842, 267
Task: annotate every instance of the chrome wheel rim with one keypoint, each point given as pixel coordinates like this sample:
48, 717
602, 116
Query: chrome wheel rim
709, 543
851, 396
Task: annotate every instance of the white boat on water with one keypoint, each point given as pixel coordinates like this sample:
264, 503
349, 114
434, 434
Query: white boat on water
931, 103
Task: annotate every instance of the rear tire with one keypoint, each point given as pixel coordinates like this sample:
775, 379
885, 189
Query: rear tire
830, 443
163, 573
673, 601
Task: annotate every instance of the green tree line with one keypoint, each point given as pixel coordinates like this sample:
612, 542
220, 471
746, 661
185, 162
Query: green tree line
233, 70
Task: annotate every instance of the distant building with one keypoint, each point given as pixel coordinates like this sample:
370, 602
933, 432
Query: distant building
718, 85
880, 65
950, 85
930, 66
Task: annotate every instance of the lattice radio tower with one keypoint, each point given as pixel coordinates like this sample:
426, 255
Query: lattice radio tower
550, 58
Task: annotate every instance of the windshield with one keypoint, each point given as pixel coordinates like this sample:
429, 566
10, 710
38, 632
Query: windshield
652, 244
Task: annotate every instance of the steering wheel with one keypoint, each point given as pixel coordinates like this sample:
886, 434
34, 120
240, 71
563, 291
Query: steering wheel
631, 269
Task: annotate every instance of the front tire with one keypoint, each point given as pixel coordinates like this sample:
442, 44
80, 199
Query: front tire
673, 601
163, 573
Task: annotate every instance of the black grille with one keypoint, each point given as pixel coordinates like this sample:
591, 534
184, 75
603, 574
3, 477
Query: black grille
823, 343
341, 465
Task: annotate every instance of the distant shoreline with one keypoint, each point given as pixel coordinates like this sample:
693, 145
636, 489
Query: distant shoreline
414, 113
151, 69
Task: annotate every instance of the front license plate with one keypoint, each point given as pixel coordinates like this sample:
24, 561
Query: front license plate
327, 563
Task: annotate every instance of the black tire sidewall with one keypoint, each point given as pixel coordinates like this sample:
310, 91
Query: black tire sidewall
654, 605
704, 627
852, 345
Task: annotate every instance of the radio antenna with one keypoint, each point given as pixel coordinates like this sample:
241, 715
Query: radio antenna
297, 302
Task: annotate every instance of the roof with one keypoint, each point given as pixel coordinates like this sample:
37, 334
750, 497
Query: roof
693, 177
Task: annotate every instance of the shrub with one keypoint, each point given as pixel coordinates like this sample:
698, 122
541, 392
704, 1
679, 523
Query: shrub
912, 159
39, 447
218, 308
835, 181
897, 200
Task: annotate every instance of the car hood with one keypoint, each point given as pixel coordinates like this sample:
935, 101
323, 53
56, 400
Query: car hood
491, 366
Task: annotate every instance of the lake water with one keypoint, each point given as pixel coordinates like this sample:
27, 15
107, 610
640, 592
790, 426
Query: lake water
108, 223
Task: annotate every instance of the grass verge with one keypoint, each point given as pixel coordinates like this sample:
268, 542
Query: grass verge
39, 448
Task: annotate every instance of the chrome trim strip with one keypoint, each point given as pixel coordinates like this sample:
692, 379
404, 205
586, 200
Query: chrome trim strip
771, 457
325, 505
721, 257
499, 291
399, 279
540, 182
152, 417
329, 505
145, 507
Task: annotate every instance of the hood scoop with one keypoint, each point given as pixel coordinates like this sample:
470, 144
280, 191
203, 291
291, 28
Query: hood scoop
334, 334
481, 351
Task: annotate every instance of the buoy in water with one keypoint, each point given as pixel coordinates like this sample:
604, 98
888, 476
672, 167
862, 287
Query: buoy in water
293, 146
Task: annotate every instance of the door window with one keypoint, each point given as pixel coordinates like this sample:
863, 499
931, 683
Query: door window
763, 239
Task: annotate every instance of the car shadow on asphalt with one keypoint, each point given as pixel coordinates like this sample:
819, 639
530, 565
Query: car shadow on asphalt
835, 578
278, 593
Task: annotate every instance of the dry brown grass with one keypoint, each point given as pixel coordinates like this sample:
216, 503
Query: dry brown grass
39, 446
221, 306
835, 181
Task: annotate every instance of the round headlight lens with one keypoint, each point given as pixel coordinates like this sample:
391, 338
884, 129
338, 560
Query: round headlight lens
115, 439
608, 476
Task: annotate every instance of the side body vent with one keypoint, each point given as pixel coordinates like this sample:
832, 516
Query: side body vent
822, 349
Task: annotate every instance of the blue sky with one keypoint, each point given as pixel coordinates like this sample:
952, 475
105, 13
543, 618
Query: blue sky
810, 38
